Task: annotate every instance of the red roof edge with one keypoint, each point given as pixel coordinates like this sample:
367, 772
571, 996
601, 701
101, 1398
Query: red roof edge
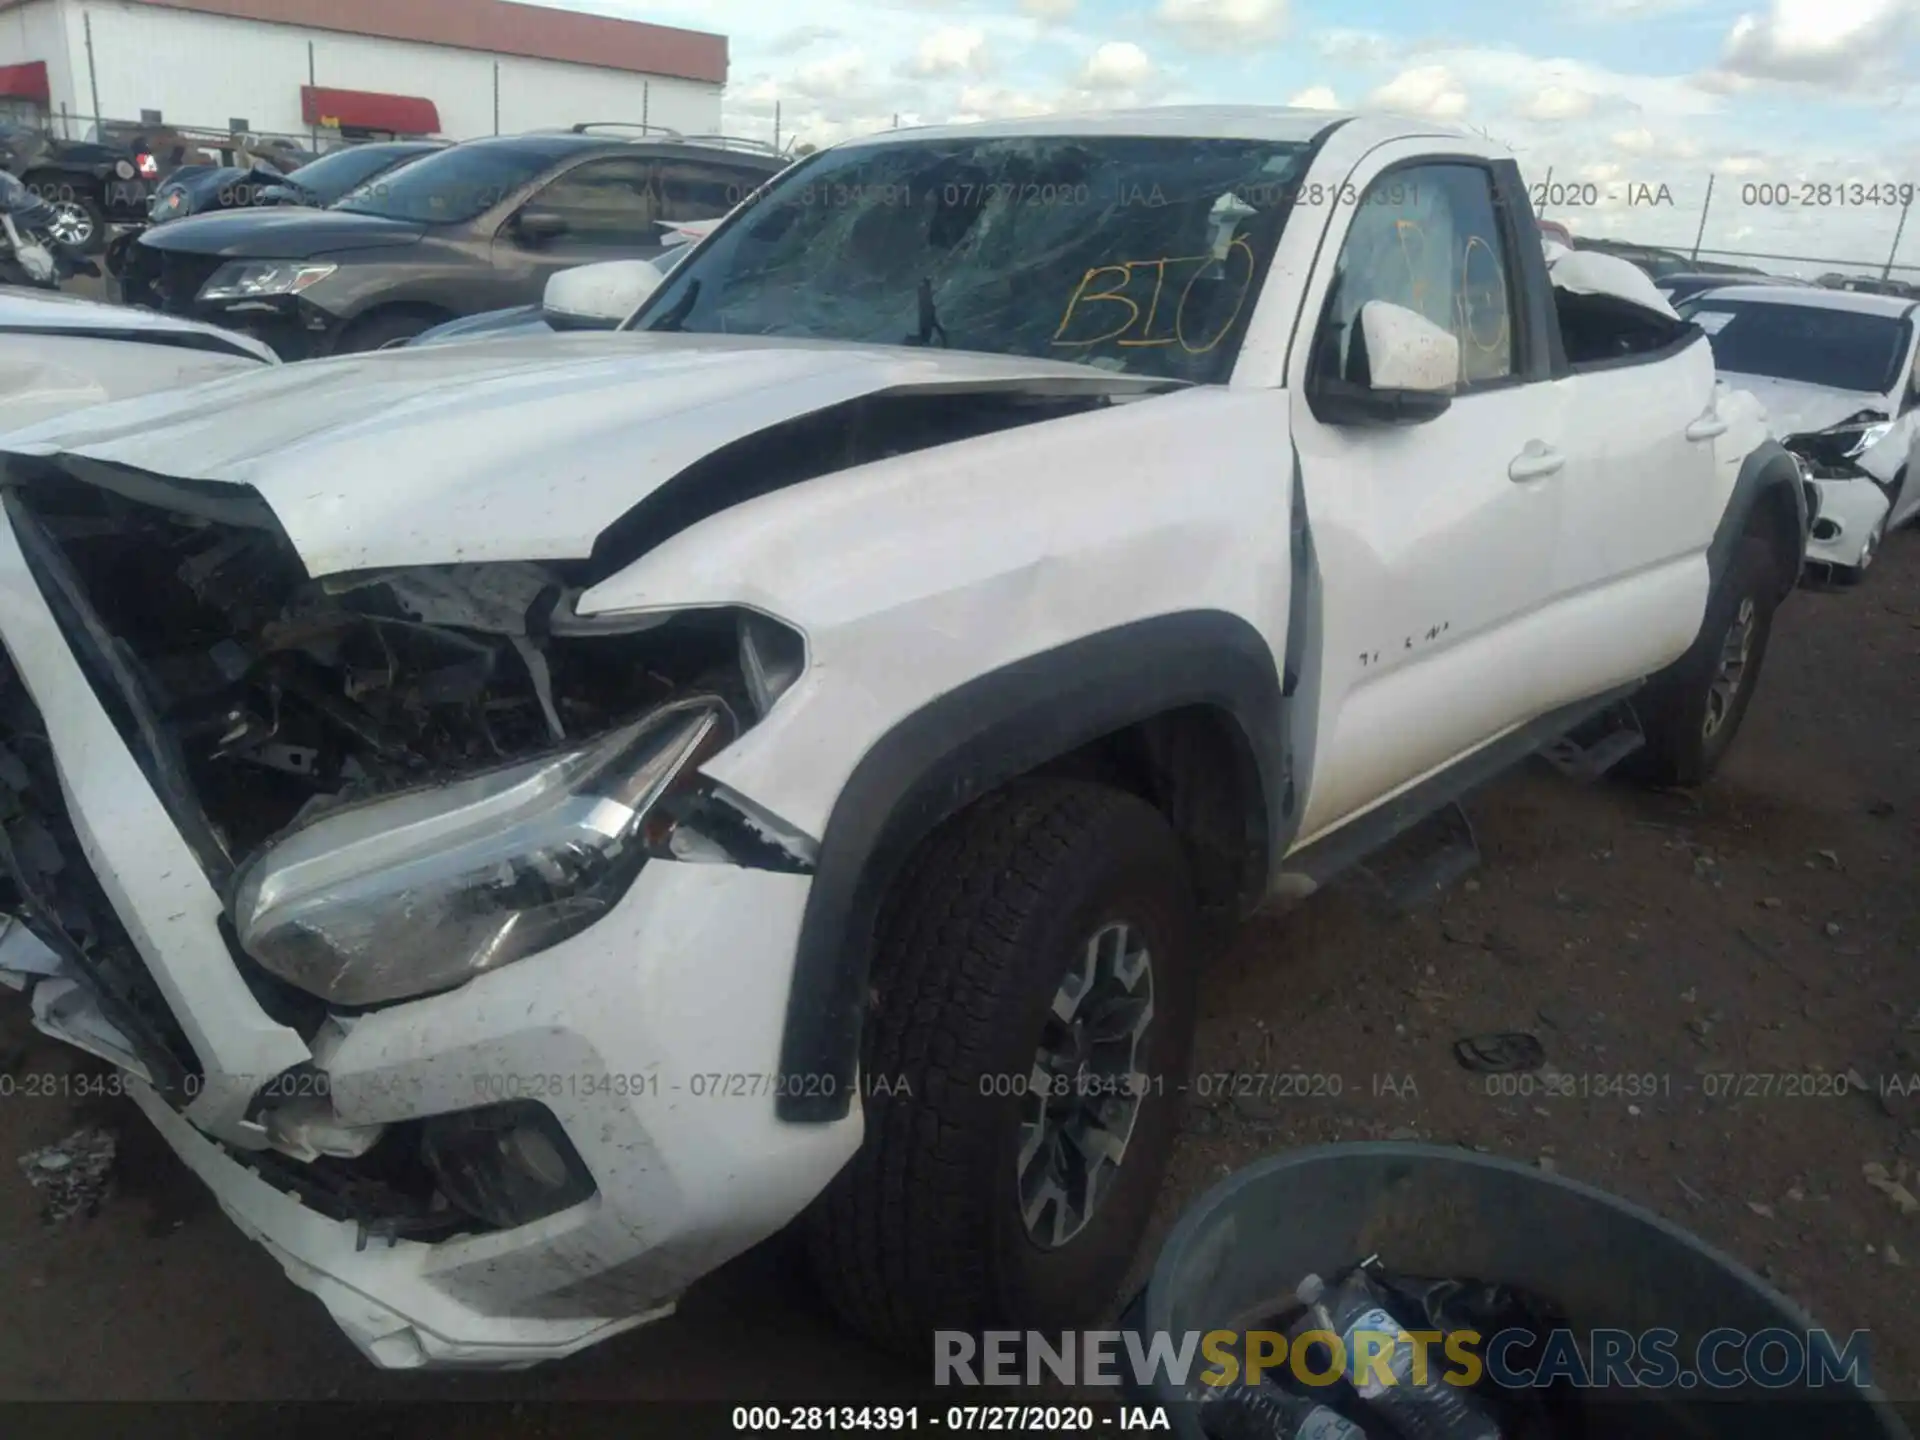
535, 32
26, 81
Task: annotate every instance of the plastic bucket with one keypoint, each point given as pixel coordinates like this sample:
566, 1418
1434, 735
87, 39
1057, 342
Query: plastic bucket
1429, 1210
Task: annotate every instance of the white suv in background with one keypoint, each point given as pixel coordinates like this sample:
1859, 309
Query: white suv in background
1839, 374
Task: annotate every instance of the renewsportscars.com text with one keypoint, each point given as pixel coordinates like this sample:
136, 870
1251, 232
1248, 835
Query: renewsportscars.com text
1514, 1359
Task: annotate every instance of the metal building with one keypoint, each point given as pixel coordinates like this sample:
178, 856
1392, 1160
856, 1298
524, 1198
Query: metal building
321, 70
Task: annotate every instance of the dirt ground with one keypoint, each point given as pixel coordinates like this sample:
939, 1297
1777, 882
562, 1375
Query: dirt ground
1766, 926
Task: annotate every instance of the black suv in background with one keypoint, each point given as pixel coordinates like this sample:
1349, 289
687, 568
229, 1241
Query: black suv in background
479, 226
88, 185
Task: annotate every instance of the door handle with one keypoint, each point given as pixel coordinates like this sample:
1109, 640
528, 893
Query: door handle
1707, 427
1536, 462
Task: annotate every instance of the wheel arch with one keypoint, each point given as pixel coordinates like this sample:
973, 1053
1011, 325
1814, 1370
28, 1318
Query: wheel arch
1768, 500
389, 309
1185, 709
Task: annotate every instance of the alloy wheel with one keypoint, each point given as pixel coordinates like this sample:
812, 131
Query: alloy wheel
71, 224
1085, 1092
1731, 673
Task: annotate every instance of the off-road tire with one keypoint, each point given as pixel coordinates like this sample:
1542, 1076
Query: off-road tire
922, 1229
1673, 709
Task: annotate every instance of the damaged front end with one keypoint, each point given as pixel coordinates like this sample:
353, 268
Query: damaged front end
1848, 502
394, 781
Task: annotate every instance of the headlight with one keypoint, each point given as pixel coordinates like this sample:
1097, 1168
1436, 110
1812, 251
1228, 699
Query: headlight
418, 892
246, 279
1870, 436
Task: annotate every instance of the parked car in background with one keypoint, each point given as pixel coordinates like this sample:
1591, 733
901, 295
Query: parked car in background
1656, 262
478, 226
203, 189
1683, 285
89, 185
595, 296
1839, 374
823, 720
61, 353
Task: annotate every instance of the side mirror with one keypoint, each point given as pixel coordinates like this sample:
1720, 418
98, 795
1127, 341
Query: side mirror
1412, 367
598, 296
537, 227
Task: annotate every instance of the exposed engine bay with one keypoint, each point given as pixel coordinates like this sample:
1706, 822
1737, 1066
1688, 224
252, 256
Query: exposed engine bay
285, 697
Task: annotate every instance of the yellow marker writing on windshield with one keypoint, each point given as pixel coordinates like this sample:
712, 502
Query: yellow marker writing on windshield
1136, 330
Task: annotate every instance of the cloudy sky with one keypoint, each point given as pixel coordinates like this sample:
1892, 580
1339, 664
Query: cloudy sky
1623, 96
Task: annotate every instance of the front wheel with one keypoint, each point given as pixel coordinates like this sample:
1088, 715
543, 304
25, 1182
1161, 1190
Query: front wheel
1692, 710
1024, 1059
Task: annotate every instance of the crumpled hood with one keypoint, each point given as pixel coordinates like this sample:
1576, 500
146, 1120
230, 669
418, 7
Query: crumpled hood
279, 234
520, 448
1794, 408
48, 312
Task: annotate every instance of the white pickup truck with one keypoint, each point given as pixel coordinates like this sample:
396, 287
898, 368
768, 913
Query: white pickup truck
534, 817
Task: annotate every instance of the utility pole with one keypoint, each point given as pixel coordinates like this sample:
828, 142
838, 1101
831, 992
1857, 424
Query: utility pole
1705, 205
1886, 270
776, 124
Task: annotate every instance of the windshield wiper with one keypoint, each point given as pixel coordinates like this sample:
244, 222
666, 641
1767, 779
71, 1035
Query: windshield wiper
930, 325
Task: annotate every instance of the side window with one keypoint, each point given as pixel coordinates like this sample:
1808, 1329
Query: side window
690, 190
1426, 238
605, 203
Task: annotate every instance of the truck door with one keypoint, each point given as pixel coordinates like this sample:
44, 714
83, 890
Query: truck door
1434, 540
1645, 483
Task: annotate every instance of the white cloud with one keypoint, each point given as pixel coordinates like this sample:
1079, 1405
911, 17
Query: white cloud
1315, 97
1357, 48
1553, 103
953, 50
1426, 90
1631, 9
1224, 24
1519, 75
1644, 143
1117, 65
1846, 43
997, 102
1049, 9
801, 37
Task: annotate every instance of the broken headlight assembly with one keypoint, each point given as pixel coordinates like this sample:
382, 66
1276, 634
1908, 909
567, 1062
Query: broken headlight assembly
1860, 438
257, 279
420, 891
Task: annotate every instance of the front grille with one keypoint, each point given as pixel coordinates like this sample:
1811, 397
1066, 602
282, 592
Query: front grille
182, 274
45, 880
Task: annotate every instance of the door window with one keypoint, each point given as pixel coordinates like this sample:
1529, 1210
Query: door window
606, 203
1426, 238
690, 190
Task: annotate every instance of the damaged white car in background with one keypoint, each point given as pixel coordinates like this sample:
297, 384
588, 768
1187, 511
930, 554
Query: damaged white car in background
60, 353
1839, 375
538, 817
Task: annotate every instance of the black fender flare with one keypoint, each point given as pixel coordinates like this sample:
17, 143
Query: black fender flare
1767, 472
993, 729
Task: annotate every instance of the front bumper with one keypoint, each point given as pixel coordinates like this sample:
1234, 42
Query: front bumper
1850, 511
292, 326
649, 1037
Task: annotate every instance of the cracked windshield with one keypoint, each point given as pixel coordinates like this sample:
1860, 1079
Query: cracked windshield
1141, 255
